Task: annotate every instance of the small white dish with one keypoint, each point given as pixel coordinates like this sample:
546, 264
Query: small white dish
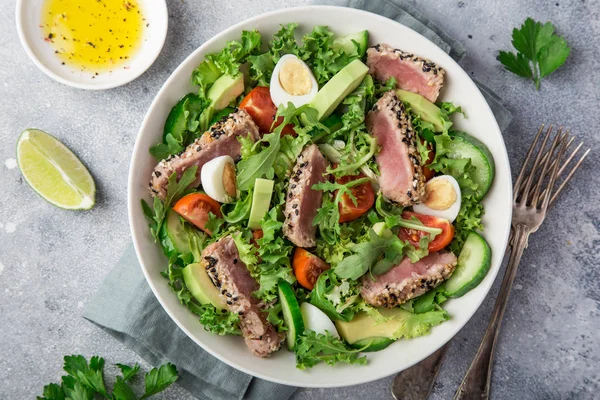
28, 19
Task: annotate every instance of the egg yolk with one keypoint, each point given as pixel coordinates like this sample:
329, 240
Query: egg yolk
294, 78
439, 194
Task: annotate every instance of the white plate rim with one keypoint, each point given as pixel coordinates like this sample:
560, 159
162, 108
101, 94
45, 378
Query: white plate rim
134, 202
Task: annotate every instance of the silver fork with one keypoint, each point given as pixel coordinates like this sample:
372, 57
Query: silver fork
415, 383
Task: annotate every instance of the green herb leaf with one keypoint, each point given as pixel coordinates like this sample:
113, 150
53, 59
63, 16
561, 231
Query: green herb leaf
127, 371
259, 164
175, 190
365, 255
88, 375
313, 348
414, 325
158, 379
122, 391
540, 51
52, 392
221, 322
240, 211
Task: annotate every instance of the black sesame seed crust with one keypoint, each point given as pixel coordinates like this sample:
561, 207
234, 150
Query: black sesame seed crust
231, 276
395, 293
390, 107
433, 73
219, 140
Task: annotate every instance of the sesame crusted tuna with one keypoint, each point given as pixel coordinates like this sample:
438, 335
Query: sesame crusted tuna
407, 280
412, 73
230, 275
220, 140
401, 180
302, 202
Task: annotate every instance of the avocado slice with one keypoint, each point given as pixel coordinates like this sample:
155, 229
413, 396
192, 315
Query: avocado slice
199, 284
331, 95
225, 90
427, 110
372, 344
261, 200
363, 327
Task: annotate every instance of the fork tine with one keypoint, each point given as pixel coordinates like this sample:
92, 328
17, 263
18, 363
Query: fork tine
536, 164
563, 167
553, 177
559, 140
568, 178
527, 157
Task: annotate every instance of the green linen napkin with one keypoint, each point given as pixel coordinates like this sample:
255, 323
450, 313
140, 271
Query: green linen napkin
126, 308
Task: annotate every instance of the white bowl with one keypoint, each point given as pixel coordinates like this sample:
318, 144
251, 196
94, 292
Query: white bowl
281, 366
28, 18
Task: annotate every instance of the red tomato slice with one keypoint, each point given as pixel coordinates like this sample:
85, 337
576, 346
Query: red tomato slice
413, 235
307, 267
365, 197
260, 107
195, 208
426, 171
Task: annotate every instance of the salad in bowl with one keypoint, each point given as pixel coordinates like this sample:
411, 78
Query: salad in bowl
314, 195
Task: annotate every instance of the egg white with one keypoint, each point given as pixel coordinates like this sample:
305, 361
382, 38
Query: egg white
211, 177
278, 94
450, 213
316, 320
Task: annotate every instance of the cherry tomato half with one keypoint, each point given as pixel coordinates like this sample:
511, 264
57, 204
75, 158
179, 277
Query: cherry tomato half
365, 197
307, 267
413, 235
195, 208
260, 107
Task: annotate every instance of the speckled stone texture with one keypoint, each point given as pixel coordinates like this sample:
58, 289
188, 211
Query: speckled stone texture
52, 261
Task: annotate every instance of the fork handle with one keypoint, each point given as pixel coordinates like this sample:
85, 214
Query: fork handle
476, 383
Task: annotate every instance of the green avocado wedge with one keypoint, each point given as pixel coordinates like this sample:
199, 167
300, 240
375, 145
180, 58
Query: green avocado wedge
201, 287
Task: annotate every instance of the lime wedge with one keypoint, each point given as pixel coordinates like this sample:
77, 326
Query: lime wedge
54, 172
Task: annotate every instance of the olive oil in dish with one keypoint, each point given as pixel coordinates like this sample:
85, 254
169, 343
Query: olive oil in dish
93, 35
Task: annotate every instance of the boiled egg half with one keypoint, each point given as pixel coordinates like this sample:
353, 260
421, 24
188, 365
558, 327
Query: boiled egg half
316, 320
218, 179
442, 198
292, 81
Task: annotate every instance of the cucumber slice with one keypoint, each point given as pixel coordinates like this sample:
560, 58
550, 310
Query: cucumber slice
261, 200
292, 316
474, 262
176, 233
372, 344
466, 146
355, 43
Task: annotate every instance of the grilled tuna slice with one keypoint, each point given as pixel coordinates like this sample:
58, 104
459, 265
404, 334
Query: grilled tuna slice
220, 140
401, 180
407, 280
302, 202
230, 275
412, 73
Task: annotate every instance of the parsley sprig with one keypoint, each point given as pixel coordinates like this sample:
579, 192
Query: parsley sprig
539, 51
175, 190
85, 381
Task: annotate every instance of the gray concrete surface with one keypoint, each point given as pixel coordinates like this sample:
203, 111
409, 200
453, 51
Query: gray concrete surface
52, 261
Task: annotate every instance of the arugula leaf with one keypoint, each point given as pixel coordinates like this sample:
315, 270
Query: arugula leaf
260, 163
313, 348
175, 190
128, 372
365, 255
158, 379
328, 215
334, 296
290, 149
539, 51
221, 322
241, 210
